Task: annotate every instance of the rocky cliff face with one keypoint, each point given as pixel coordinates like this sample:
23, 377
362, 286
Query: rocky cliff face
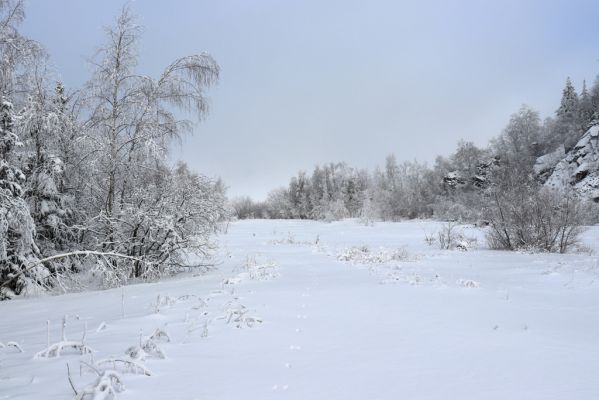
579, 169
545, 165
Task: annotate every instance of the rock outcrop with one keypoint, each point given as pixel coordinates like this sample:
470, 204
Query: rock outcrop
579, 169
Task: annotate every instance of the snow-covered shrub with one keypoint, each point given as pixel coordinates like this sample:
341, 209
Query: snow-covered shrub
171, 232
56, 349
531, 218
468, 283
148, 346
107, 385
449, 235
363, 255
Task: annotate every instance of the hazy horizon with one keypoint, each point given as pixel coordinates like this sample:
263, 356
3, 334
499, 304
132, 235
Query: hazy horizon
312, 83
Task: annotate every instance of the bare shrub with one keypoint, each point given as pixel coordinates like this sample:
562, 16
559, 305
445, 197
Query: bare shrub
429, 239
363, 255
450, 236
528, 217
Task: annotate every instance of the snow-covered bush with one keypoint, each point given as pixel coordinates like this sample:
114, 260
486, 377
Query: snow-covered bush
449, 236
527, 217
106, 386
363, 255
56, 349
468, 283
96, 195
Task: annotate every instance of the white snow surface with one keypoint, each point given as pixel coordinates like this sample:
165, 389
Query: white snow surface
328, 321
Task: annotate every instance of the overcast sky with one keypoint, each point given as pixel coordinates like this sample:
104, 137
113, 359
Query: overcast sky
309, 82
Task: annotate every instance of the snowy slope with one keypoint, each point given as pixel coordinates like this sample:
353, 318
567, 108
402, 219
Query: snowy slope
580, 167
348, 312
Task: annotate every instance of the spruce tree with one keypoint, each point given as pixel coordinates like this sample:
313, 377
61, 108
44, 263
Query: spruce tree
567, 131
19, 273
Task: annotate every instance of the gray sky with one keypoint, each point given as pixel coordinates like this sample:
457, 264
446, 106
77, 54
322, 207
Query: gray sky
307, 82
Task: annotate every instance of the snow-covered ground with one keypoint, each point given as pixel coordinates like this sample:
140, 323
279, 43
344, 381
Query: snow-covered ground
331, 311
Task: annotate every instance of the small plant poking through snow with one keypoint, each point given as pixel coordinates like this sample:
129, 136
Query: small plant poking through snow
108, 384
451, 236
163, 302
56, 349
236, 314
147, 348
260, 271
125, 365
12, 344
290, 239
160, 335
468, 283
429, 239
363, 255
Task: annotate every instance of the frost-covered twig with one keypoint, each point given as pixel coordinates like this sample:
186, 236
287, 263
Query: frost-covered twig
160, 335
15, 345
71, 380
11, 344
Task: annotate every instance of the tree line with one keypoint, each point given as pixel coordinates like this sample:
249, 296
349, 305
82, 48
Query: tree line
86, 192
500, 184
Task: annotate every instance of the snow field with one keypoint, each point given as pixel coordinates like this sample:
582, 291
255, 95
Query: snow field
309, 310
